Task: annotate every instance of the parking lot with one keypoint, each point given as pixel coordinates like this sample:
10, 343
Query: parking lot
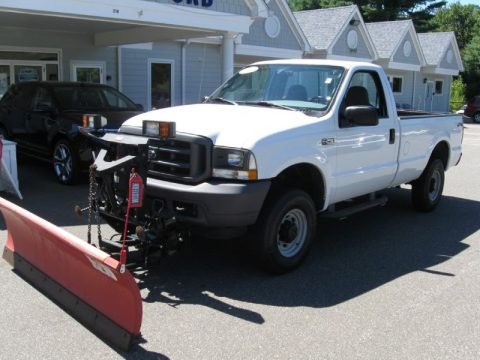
389, 283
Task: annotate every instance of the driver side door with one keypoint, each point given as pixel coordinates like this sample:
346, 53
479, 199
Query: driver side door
366, 155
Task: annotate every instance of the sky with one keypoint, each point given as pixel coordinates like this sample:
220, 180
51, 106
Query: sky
465, 2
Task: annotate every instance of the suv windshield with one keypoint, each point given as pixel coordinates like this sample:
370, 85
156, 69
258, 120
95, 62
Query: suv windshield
91, 98
305, 87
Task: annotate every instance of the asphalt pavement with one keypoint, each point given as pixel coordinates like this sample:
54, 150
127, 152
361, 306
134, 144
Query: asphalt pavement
389, 283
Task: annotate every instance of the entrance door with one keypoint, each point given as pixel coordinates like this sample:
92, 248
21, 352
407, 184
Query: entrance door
428, 96
160, 87
5, 80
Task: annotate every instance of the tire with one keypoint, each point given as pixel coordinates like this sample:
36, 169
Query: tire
427, 190
476, 117
284, 232
65, 162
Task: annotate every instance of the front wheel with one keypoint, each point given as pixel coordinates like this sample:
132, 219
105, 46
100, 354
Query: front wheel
285, 230
65, 163
427, 189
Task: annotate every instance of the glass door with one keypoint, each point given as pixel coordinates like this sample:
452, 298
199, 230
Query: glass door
5, 80
160, 85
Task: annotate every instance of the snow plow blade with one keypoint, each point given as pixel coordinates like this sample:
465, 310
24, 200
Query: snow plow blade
82, 279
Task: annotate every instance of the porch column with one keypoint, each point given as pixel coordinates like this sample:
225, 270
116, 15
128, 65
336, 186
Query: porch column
228, 54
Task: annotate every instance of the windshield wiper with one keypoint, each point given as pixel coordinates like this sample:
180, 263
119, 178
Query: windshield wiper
221, 100
269, 104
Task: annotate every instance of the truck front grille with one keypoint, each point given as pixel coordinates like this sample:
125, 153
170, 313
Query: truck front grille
183, 159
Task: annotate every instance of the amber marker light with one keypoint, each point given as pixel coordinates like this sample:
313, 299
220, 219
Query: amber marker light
85, 121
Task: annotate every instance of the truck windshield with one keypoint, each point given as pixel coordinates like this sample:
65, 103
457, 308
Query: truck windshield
289, 86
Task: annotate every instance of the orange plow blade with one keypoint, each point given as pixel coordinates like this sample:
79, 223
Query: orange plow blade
82, 279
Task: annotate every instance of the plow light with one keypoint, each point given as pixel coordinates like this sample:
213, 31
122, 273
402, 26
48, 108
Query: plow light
94, 121
159, 129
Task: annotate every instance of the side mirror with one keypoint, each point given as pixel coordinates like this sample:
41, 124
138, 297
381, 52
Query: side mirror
361, 115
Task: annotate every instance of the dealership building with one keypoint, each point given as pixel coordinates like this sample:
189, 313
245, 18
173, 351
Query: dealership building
171, 52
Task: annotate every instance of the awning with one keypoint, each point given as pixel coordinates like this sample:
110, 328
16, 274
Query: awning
122, 21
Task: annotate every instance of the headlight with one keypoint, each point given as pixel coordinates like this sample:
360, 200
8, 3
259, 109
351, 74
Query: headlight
235, 164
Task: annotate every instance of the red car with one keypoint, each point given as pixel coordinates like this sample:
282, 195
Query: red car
473, 109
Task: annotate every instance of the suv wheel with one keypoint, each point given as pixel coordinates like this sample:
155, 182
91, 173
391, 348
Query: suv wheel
476, 117
65, 162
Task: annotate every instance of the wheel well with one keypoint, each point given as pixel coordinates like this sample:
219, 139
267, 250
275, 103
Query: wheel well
441, 152
56, 139
305, 177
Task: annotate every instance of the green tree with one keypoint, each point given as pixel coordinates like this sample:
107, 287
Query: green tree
462, 19
420, 11
457, 95
471, 63
297, 5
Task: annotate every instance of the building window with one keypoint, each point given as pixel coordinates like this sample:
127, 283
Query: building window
397, 84
438, 87
86, 71
27, 64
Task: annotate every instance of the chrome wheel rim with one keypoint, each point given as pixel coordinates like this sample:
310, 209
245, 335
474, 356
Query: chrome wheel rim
292, 233
62, 162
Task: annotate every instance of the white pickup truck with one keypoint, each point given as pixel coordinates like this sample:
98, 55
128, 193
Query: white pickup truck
276, 145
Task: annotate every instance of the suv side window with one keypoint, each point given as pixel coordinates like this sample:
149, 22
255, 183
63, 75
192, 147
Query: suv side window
42, 100
23, 99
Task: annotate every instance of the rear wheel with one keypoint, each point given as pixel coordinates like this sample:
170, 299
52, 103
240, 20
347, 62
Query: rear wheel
476, 117
427, 190
65, 162
285, 230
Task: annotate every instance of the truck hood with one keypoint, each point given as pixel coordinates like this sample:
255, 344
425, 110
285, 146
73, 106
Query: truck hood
238, 126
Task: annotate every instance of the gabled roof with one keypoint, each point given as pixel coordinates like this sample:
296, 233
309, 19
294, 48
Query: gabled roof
323, 27
259, 9
435, 46
387, 37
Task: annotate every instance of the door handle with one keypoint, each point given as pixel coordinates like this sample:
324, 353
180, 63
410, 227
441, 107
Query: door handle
392, 136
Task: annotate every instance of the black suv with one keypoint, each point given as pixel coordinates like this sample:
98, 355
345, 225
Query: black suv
43, 119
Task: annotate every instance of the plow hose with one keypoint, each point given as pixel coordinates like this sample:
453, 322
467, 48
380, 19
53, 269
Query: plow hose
82, 279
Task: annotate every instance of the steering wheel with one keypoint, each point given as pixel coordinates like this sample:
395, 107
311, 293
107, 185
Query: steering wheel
318, 99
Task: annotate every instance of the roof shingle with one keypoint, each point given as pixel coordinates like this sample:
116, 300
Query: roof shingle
322, 26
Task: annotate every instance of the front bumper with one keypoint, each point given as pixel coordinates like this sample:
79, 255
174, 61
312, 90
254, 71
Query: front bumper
210, 204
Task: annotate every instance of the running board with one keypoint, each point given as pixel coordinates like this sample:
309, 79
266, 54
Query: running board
372, 201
